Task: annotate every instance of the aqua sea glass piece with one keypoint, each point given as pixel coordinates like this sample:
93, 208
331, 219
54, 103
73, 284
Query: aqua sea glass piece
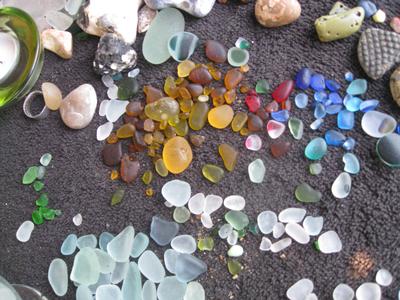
46, 159
316, 149
352, 104
120, 246
377, 124
351, 163
345, 119
357, 87
86, 268
104, 239
319, 111
349, 144
58, 276
388, 150
301, 100
368, 105
170, 257
151, 267
119, 273
242, 43
107, 264
69, 245
149, 291
238, 57
333, 109
88, 240
83, 293
341, 186
171, 288
162, 231
162, 28
334, 138
181, 45
132, 285
140, 243
189, 267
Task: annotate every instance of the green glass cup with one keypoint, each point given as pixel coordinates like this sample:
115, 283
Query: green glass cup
21, 55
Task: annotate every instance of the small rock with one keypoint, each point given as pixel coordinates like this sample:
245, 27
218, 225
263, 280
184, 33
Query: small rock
57, 41
146, 16
78, 107
52, 95
197, 8
275, 13
113, 55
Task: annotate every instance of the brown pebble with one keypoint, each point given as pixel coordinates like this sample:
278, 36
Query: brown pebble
200, 75
215, 51
254, 123
112, 154
134, 108
129, 169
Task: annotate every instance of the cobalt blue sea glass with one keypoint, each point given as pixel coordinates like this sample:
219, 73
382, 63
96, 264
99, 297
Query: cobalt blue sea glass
280, 115
369, 7
332, 85
303, 78
334, 138
320, 96
335, 98
368, 105
318, 82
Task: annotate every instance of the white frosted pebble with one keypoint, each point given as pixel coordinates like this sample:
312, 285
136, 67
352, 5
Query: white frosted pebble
104, 131
383, 277
329, 242
343, 292
300, 290
369, 291
177, 192
115, 110
292, 215
235, 251
133, 73
278, 230
58, 20
77, 220
225, 231
24, 231
232, 238
107, 80
311, 296
313, 225
112, 92
280, 245
196, 204
212, 203
184, 244
265, 244
266, 221
103, 107
296, 232
234, 202
206, 220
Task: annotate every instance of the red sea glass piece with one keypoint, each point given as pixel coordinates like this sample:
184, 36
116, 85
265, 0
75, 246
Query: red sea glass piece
283, 91
253, 102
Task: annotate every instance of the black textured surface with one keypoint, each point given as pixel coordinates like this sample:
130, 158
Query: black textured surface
78, 182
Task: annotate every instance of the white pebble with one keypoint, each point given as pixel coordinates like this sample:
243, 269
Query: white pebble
196, 204
383, 277
103, 107
232, 238
265, 244
266, 221
311, 297
368, 291
133, 73
278, 230
115, 109
296, 232
300, 290
104, 131
77, 220
212, 204
225, 231
235, 251
24, 231
329, 242
313, 225
184, 244
292, 215
280, 245
343, 292
206, 221
234, 202
112, 92
107, 80
176, 192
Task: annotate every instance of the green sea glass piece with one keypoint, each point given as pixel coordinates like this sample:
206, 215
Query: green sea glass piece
296, 128
86, 267
338, 7
315, 168
117, 197
339, 26
238, 57
234, 267
37, 217
30, 175
38, 186
155, 44
182, 45
237, 219
181, 214
163, 109
42, 201
262, 86
127, 88
213, 173
206, 244
305, 193
47, 213
147, 177
253, 228
46, 159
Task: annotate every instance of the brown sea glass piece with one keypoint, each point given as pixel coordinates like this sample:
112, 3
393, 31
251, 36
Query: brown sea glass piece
232, 78
129, 169
215, 51
112, 154
200, 75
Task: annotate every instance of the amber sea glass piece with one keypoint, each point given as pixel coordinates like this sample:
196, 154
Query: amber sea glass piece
177, 155
229, 155
232, 78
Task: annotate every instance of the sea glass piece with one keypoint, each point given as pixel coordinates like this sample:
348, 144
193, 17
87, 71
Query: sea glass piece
256, 170
149, 291
253, 142
69, 245
283, 91
262, 86
280, 245
339, 26
278, 230
196, 203
108, 291
313, 225
165, 109
319, 111
252, 101
115, 110
215, 51
83, 293
383, 277
235, 251
266, 221
368, 290
238, 57
170, 257
332, 85
151, 267
184, 244
140, 243
237, 219
315, 168
388, 150
234, 202
106, 262
351, 163
329, 242
280, 148
176, 192
200, 75
275, 129
206, 220
280, 115
316, 149
129, 169
234, 267
119, 273
343, 292
265, 244
345, 119
233, 237
206, 244
352, 103
181, 45
103, 131
303, 78
297, 233
24, 231
341, 186
368, 105
334, 138
300, 290
88, 240
317, 82
127, 88
155, 43
185, 67
296, 128
212, 203
86, 268
58, 20
357, 87
30, 175
378, 124
212, 173
112, 92
198, 115
316, 124
225, 231
132, 285
320, 97
58, 276
254, 123
301, 100
104, 239
171, 288
38, 186
119, 248
305, 193
242, 43
292, 215
177, 155
221, 116
103, 107
194, 291
189, 267
232, 78
162, 231
181, 214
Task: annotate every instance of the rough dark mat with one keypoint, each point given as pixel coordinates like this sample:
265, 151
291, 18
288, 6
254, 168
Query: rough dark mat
78, 182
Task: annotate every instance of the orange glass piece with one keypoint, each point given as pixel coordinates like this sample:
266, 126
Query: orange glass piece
177, 155
126, 131
232, 78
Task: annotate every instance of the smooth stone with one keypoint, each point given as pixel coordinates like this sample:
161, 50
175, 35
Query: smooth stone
215, 51
162, 231
116, 109
104, 239
345, 119
265, 244
107, 292
343, 292
57, 41
151, 267
58, 276
189, 267
303, 79
316, 149
225, 231
300, 290
296, 128
149, 291
194, 291
292, 215
238, 57
24, 231
275, 129
52, 95
119, 272
351, 163
113, 55
357, 87
378, 51
315, 168
278, 230
369, 291
280, 245
305, 193
104, 131
256, 170
86, 268
146, 15
176, 192
88, 240
272, 13
297, 233
379, 16
235, 251
334, 138
171, 289
266, 221
395, 24
234, 202
196, 204
342, 25
341, 187
313, 225
119, 17
106, 262
119, 248
184, 244
237, 219
155, 43
378, 124
132, 285
181, 45
83, 293
329, 242
78, 107
388, 150
69, 245
197, 8
301, 100
181, 214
